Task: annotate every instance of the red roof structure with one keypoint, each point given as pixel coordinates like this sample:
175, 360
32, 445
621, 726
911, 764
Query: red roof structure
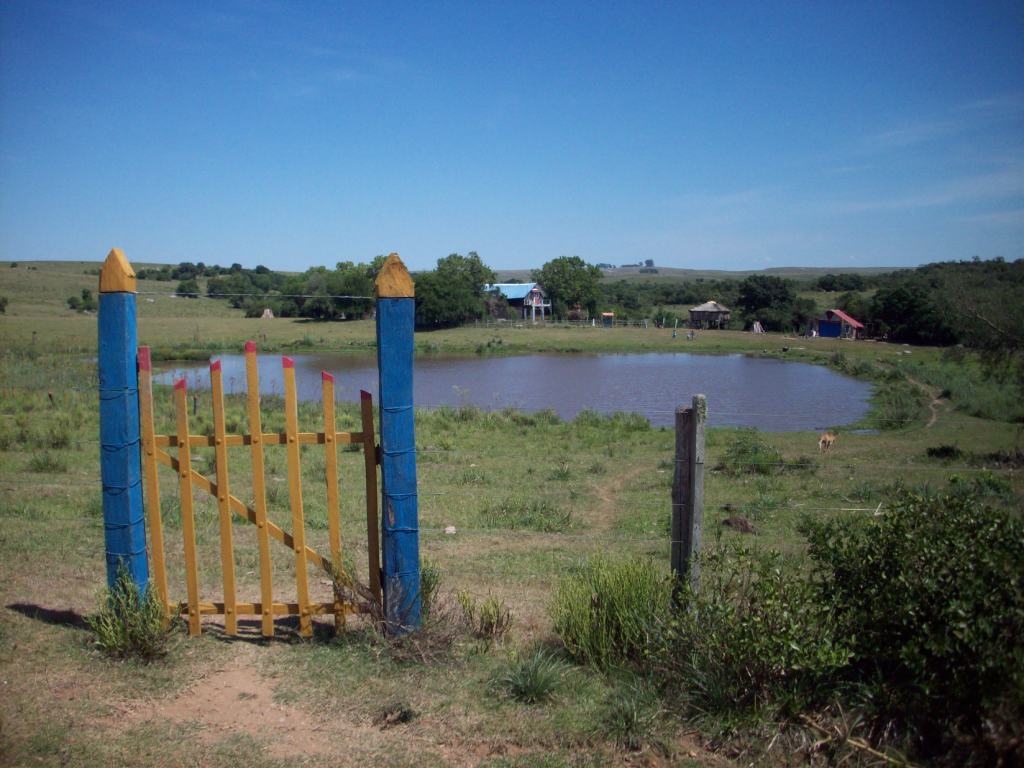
844, 317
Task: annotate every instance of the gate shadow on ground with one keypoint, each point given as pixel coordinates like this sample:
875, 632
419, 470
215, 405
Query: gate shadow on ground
62, 617
286, 630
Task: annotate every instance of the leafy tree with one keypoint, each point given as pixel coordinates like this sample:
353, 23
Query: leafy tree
454, 292
907, 313
188, 288
569, 280
769, 299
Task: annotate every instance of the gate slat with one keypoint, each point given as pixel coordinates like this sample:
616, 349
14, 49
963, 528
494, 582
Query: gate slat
372, 521
295, 496
259, 487
248, 513
227, 551
187, 514
151, 488
331, 469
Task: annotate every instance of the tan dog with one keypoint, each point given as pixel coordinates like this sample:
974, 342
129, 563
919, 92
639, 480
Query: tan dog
826, 440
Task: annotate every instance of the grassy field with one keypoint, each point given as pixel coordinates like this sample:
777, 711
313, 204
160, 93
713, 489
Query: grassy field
527, 495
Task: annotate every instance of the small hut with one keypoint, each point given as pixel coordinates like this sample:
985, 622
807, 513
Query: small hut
608, 319
836, 324
268, 314
710, 314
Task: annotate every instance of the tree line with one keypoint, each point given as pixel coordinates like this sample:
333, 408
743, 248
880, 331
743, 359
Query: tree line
976, 303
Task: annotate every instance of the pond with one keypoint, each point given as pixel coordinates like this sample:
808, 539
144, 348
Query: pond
771, 395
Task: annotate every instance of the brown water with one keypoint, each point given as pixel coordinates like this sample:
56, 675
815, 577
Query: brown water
771, 395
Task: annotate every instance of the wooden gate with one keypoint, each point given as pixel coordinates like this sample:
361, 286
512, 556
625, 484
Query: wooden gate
156, 450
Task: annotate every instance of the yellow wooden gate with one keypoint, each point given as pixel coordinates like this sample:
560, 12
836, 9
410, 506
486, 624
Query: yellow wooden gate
155, 450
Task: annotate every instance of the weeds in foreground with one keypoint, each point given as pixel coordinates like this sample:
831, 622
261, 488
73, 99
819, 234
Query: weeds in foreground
530, 680
47, 463
489, 620
631, 717
130, 623
517, 513
607, 611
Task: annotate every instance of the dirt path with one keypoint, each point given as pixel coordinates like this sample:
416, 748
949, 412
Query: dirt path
935, 402
237, 698
608, 494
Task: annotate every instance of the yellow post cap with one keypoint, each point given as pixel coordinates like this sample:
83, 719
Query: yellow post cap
116, 274
393, 280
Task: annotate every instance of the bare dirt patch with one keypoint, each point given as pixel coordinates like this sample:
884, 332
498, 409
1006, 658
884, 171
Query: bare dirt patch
238, 698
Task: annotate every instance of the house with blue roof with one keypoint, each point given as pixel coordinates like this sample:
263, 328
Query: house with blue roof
526, 298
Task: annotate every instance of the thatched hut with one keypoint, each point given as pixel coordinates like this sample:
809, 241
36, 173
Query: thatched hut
710, 314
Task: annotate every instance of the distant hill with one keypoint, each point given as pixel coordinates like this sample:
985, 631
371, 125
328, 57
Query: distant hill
676, 273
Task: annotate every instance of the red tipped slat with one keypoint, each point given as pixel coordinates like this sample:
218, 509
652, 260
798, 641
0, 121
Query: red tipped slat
180, 384
327, 376
215, 365
287, 362
145, 360
364, 395
250, 346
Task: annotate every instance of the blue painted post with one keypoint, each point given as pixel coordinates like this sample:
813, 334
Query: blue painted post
120, 462
400, 540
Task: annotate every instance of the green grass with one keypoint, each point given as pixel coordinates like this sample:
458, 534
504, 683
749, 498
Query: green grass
522, 517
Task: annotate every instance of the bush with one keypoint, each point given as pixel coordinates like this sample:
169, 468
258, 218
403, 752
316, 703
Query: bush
755, 636
130, 624
608, 611
930, 599
749, 454
897, 405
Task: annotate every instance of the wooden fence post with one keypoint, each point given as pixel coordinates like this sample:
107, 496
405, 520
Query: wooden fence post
688, 490
124, 528
400, 538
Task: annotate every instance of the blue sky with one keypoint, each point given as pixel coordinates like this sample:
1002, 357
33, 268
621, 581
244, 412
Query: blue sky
706, 135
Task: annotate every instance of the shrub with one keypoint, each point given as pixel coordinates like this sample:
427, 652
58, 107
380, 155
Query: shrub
749, 454
530, 680
930, 598
530, 514
755, 636
607, 611
945, 451
130, 624
897, 405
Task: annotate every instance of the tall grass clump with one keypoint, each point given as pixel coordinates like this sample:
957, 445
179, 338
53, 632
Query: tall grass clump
532, 679
47, 463
750, 454
607, 611
130, 623
532, 514
897, 405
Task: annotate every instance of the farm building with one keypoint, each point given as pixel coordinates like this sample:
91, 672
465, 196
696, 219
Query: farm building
836, 324
710, 314
527, 298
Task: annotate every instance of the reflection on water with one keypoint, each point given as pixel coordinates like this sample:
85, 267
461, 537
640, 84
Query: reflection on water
742, 391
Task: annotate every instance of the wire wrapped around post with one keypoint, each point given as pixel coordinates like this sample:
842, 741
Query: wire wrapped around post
124, 529
400, 542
